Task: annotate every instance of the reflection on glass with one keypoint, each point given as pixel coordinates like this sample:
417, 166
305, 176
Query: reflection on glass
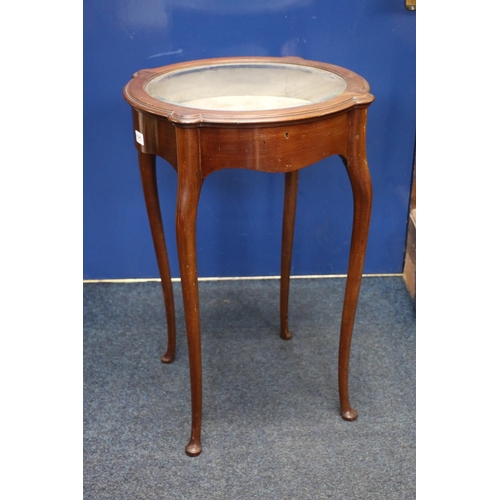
246, 86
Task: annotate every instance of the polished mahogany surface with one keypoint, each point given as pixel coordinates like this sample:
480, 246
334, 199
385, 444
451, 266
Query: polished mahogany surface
246, 90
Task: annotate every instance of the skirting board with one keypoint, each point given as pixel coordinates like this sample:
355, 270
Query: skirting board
232, 278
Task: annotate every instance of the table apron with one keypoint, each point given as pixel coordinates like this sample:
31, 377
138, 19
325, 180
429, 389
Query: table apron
282, 148
279, 148
158, 136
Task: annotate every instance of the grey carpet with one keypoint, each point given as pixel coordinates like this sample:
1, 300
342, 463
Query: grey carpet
271, 422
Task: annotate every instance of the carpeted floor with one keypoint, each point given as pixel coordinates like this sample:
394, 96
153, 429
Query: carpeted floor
271, 422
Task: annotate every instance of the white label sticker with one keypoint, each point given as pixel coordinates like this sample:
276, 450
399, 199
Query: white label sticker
139, 138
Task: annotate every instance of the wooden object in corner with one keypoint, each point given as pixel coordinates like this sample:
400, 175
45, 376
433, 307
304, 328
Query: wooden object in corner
409, 271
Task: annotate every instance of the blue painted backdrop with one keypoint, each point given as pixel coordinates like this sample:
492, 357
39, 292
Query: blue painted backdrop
239, 222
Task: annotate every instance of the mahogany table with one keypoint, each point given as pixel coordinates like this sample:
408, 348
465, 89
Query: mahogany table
261, 113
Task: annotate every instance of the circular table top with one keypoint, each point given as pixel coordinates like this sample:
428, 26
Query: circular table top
246, 90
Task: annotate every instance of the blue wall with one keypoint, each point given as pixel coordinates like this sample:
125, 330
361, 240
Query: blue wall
239, 222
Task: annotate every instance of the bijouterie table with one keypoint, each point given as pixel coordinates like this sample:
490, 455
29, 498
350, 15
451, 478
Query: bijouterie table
260, 113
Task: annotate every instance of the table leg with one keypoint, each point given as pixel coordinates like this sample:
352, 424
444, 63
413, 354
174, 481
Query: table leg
188, 192
147, 166
359, 176
290, 204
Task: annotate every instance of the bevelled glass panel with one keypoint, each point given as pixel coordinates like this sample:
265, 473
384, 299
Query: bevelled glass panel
246, 86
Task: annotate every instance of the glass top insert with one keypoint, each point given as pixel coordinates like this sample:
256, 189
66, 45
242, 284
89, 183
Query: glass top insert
246, 86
